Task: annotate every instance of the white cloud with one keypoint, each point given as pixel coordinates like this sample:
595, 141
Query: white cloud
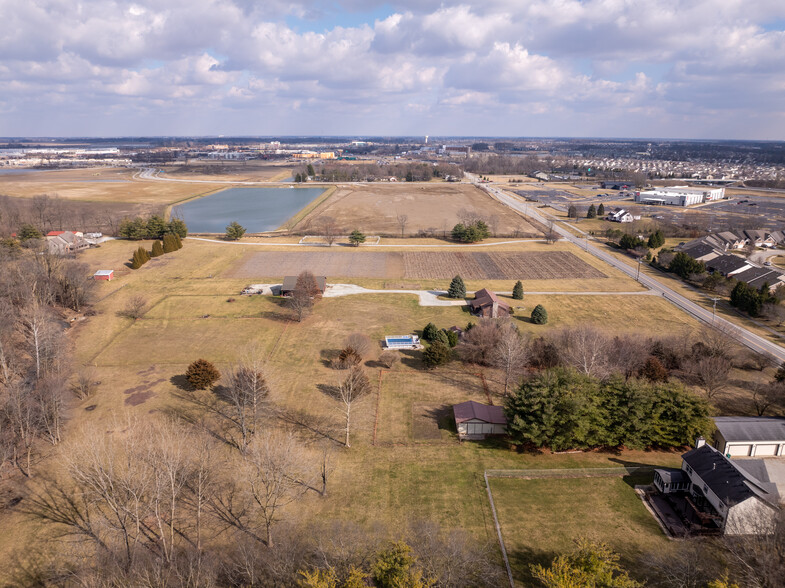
493, 65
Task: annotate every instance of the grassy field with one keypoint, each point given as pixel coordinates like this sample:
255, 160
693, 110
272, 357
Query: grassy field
541, 518
100, 185
406, 462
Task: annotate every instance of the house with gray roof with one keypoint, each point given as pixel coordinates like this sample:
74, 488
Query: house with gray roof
728, 265
715, 494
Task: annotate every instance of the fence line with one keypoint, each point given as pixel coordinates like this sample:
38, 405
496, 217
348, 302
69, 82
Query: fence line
499, 532
570, 472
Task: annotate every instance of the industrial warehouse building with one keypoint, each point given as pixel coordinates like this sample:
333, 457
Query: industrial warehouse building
679, 196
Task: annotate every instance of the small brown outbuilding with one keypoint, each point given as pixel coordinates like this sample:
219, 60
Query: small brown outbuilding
487, 304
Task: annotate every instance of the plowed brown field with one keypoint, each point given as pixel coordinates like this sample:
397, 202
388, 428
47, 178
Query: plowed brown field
526, 265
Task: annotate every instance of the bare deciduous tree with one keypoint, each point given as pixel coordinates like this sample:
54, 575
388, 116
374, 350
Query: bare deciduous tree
479, 342
402, 220
389, 358
360, 342
510, 354
349, 391
301, 300
329, 229
85, 382
586, 349
711, 374
764, 396
134, 308
246, 392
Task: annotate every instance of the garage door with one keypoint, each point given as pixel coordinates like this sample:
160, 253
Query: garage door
739, 450
766, 449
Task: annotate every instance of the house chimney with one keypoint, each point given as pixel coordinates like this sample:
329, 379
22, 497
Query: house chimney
495, 310
700, 442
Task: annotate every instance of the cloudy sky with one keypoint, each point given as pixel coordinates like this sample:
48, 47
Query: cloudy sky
609, 68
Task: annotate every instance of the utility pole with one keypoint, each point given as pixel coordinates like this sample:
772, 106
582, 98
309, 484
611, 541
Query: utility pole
714, 310
638, 276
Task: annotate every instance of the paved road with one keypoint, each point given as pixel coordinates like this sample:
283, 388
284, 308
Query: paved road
744, 336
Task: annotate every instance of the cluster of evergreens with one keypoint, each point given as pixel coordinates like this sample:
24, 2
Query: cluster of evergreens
171, 242
751, 300
656, 239
563, 409
470, 233
440, 344
684, 266
154, 227
631, 242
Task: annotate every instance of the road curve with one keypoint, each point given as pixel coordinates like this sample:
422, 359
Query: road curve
741, 334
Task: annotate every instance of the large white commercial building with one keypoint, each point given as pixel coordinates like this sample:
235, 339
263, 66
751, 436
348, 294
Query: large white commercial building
679, 196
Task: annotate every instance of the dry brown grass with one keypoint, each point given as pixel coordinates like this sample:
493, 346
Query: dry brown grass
433, 207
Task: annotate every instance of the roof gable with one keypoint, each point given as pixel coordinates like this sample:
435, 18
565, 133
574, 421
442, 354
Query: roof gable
466, 411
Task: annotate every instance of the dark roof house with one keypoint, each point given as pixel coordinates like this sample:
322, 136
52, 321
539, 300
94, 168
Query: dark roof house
474, 420
487, 304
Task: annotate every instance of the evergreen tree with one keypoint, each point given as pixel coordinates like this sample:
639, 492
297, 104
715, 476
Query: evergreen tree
601, 210
158, 249
457, 288
429, 332
234, 231
156, 227
177, 241
452, 337
311, 171
592, 212
178, 227
169, 243
539, 315
437, 353
684, 266
356, 238
517, 291
572, 211
28, 231
656, 239
133, 229
202, 374
140, 257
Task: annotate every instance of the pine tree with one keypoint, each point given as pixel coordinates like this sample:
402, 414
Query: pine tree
139, 258
592, 212
601, 210
429, 332
572, 211
356, 238
169, 243
539, 315
457, 288
158, 249
517, 291
234, 231
202, 374
437, 353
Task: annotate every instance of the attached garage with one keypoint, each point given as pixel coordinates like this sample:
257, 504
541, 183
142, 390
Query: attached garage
738, 450
764, 450
750, 436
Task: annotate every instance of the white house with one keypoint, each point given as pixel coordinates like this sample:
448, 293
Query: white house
719, 495
621, 216
475, 421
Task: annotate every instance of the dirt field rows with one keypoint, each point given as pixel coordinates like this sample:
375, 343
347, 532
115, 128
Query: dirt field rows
526, 265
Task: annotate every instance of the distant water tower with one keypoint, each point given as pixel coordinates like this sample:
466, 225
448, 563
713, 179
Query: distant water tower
426, 139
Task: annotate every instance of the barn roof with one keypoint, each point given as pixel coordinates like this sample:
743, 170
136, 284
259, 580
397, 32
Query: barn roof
467, 411
485, 297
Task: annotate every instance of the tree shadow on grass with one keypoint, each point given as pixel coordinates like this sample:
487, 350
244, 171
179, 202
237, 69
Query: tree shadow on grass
522, 559
412, 358
319, 426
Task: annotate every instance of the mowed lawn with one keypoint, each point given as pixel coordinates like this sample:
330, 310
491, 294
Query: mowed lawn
541, 518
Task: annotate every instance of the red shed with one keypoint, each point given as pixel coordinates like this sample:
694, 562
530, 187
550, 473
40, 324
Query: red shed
103, 275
